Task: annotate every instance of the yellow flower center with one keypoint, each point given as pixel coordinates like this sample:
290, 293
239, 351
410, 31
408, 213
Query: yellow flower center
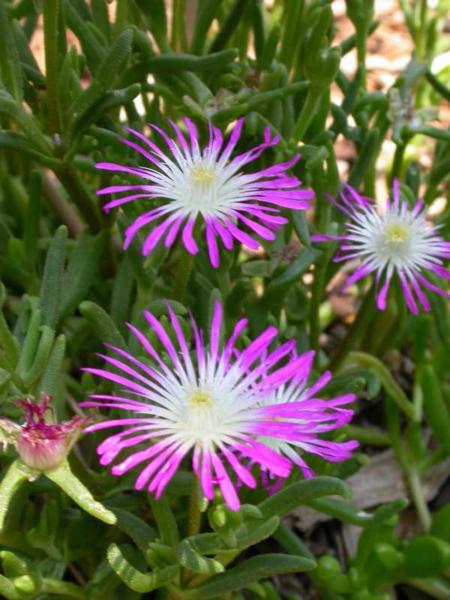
201, 398
397, 233
202, 175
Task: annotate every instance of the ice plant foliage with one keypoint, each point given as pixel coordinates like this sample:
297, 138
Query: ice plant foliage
388, 241
206, 184
228, 410
41, 445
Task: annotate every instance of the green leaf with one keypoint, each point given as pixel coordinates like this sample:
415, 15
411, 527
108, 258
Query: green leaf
92, 48
426, 556
7, 340
301, 492
138, 530
53, 367
52, 279
256, 531
436, 409
80, 272
349, 513
103, 326
41, 357
12, 480
29, 124
249, 571
440, 526
10, 71
104, 79
72, 486
10, 140
136, 580
293, 271
196, 562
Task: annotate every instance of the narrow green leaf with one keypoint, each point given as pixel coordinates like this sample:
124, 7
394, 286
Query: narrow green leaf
10, 71
53, 367
301, 492
28, 123
138, 530
136, 580
436, 409
103, 326
52, 279
92, 48
80, 272
105, 78
196, 562
41, 356
72, 486
16, 474
249, 571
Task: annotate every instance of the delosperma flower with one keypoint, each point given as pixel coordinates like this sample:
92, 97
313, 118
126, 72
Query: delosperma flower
389, 241
42, 445
187, 183
213, 406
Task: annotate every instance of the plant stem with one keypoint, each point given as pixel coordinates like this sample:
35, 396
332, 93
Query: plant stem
194, 515
80, 197
398, 160
51, 12
355, 331
307, 113
391, 387
178, 31
182, 276
415, 485
434, 587
62, 208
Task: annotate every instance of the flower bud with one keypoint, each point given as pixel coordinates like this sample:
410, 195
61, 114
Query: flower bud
40, 445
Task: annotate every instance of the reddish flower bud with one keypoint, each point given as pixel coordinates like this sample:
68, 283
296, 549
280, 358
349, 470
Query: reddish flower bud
42, 445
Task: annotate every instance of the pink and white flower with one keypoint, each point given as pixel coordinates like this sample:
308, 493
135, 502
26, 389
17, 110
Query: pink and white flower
389, 241
205, 184
217, 405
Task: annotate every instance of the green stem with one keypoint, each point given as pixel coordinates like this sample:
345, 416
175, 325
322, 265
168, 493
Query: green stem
80, 197
434, 587
63, 588
194, 520
178, 29
443, 90
361, 46
51, 12
316, 298
182, 276
355, 331
398, 160
422, 31
194, 515
391, 387
308, 111
415, 485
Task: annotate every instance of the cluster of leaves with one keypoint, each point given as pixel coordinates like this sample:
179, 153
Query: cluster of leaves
67, 286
